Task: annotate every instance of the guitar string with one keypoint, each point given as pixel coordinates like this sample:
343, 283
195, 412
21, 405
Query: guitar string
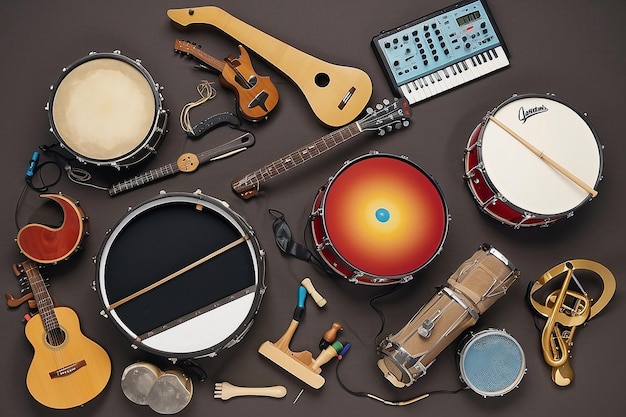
282, 165
47, 314
207, 92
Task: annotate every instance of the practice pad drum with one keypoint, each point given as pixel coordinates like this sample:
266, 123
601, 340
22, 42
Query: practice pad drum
181, 275
379, 220
492, 363
514, 185
106, 110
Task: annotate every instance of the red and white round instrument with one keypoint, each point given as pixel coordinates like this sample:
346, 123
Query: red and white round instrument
379, 220
516, 186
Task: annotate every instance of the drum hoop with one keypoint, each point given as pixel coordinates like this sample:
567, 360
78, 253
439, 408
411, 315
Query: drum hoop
521, 210
220, 207
157, 118
468, 341
357, 271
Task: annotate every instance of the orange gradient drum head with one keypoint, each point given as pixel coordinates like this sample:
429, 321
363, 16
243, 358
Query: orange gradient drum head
385, 216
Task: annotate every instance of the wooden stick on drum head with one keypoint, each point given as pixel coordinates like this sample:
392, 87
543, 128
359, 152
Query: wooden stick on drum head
545, 158
178, 273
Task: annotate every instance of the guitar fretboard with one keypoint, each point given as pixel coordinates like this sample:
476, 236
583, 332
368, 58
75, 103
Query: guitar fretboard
42, 296
143, 179
298, 157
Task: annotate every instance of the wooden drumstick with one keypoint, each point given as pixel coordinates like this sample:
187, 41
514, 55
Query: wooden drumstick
545, 158
306, 283
178, 273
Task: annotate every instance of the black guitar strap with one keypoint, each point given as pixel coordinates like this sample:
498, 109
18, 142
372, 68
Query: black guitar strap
287, 245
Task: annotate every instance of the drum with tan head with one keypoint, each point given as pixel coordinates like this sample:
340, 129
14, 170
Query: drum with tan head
106, 110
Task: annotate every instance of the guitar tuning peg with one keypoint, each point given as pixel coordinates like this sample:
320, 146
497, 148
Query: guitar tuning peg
379, 106
389, 128
405, 123
398, 125
381, 132
369, 110
386, 102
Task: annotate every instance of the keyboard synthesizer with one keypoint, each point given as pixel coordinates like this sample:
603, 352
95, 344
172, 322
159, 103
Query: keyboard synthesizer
441, 51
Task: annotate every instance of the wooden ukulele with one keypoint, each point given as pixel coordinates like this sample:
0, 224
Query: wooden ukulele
337, 94
384, 118
67, 369
256, 96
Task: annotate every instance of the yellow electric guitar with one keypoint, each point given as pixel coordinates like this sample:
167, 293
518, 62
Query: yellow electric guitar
337, 94
67, 369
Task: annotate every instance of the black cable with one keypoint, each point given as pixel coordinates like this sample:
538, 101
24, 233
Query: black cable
413, 400
43, 187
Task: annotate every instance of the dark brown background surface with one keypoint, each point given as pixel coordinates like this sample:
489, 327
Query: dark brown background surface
574, 49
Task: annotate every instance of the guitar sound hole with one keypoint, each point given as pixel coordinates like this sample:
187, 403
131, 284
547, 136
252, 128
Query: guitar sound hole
55, 337
322, 79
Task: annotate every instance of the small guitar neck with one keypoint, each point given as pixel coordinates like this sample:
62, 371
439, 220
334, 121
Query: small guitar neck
245, 186
216, 64
187, 162
45, 305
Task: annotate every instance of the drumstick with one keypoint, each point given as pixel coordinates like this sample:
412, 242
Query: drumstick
179, 272
547, 159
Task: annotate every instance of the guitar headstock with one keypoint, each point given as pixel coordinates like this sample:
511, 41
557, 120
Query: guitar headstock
185, 47
26, 293
386, 116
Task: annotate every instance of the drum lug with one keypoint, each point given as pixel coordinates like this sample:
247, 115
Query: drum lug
354, 278
323, 244
405, 279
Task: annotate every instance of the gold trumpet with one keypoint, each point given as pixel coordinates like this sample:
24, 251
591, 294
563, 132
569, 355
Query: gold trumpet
565, 309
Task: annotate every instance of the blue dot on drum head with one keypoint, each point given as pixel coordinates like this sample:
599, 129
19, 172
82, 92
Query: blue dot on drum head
382, 215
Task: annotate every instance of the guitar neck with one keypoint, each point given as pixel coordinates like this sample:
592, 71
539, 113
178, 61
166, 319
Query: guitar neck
143, 179
45, 305
296, 158
216, 64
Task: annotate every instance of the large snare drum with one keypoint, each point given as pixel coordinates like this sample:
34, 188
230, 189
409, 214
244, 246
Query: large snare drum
181, 275
491, 362
476, 284
106, 109
515, 186
379, 220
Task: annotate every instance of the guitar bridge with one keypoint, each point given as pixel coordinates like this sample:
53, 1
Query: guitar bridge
68, 370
